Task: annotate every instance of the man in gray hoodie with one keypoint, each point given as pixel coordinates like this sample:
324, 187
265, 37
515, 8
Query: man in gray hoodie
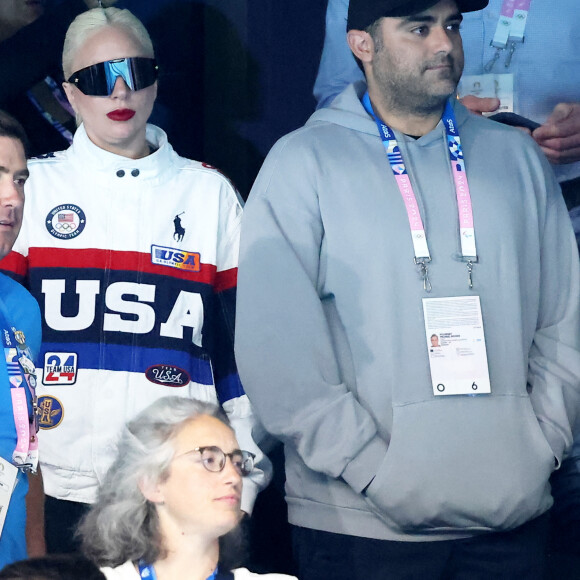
392, 216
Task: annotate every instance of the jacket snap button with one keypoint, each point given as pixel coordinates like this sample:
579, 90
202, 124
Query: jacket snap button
120, 173
135, 172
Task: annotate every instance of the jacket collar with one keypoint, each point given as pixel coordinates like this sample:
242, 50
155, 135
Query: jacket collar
106, 165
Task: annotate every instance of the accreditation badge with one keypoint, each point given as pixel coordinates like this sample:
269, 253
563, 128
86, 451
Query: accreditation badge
490, 85
456, 346
8, 475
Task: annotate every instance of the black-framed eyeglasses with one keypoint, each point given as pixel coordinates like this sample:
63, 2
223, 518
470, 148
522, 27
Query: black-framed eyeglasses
98, 80
214, 459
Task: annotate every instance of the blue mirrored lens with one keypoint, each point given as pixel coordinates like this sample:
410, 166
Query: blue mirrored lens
118, 68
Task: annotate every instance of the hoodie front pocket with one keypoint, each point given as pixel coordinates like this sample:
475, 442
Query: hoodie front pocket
472, 463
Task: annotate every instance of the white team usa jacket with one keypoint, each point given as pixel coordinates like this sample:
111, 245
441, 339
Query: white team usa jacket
134, 266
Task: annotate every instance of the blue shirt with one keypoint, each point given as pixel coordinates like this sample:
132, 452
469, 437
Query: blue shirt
22, 313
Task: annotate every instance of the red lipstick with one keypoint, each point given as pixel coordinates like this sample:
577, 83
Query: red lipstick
121, 114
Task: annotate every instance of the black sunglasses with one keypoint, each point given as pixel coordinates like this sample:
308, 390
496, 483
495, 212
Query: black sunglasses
98, 80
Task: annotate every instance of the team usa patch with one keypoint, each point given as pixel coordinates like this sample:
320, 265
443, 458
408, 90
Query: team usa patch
175, 258
51, 412
167, 375
60, 368
66, 221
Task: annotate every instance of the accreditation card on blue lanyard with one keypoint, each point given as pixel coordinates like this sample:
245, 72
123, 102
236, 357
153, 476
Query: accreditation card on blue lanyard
461, 367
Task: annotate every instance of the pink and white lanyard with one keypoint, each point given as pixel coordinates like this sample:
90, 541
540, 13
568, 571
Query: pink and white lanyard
465, 211
510, 30
21, 375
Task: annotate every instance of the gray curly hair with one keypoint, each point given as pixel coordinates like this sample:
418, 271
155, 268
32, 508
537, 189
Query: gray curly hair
122, 525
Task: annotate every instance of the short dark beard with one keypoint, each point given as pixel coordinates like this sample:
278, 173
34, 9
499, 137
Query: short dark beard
399, 96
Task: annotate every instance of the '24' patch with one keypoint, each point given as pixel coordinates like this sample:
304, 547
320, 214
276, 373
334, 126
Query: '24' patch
60, 368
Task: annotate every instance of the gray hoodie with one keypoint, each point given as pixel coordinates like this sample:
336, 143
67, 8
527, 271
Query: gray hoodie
330, 337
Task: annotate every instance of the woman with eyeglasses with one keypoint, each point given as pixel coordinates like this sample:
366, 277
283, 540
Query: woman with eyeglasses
131, 251
169, 506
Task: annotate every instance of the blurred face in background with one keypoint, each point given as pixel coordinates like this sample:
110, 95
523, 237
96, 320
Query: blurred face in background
16, 14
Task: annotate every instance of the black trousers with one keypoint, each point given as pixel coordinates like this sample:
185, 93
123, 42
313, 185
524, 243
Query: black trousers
61, 519
515, 555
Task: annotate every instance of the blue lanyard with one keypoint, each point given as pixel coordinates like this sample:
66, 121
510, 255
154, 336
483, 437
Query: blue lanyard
21, 376
147, 572
464, 208
19, 364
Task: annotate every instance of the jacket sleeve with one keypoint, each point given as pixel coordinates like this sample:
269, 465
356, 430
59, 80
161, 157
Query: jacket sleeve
229, 389
554, 361
337, 67
284, 346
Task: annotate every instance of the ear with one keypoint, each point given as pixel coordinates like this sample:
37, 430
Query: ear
151, 491
361, 44
70, 95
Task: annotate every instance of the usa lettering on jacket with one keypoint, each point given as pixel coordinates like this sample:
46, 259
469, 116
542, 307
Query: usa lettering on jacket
130, 307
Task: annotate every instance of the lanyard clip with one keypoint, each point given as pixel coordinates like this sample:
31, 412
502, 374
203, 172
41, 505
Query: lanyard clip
510, 54
422, 263
24, 466
491, 63
470, 274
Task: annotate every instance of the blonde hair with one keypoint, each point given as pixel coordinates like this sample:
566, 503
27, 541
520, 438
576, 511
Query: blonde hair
92, 21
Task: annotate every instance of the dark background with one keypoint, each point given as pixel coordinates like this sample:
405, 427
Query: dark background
235, 75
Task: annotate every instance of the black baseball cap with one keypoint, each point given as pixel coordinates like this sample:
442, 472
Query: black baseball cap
362, 13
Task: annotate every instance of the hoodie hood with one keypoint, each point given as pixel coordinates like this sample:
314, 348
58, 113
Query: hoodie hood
347, 110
